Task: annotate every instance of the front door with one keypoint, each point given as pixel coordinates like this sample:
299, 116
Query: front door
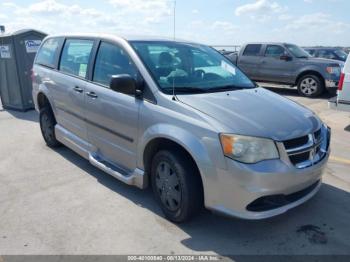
273, 68
112, 117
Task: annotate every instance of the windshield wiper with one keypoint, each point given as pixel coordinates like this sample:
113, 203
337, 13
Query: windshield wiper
187, 89
193, 89
224, 88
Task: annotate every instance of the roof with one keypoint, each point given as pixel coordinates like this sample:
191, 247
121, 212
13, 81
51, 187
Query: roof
125, 37
267, 43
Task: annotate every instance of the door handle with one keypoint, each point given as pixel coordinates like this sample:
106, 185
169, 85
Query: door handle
78, 89
91, 94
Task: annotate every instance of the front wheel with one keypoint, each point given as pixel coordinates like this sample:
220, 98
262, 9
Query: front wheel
310, 86
176, 185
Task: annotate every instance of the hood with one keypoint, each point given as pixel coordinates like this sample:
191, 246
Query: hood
255, 112
317, 60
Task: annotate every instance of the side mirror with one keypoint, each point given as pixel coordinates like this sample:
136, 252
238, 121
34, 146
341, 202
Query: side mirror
125, 84
286, 57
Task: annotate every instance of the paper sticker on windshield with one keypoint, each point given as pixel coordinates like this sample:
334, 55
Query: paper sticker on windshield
228, 67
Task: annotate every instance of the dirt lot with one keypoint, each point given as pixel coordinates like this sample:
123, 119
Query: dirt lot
55, 202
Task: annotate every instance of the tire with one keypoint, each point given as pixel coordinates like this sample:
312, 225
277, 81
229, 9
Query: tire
47, 126
176, 186
310, 86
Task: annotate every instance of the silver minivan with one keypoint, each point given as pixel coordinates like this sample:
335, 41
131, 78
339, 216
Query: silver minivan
180, 117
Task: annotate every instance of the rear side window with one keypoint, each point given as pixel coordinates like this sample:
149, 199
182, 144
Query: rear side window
75, 57
252, 50
274, 51
112, 60
48, 52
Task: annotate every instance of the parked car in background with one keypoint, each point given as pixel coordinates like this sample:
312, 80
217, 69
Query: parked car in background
342, 100
289, 64
182, 118
328, 53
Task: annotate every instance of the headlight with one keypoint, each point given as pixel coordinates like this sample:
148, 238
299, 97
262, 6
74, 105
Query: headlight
333, 70
248, 149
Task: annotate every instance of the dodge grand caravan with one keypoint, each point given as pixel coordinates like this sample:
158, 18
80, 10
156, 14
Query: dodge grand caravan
179, 117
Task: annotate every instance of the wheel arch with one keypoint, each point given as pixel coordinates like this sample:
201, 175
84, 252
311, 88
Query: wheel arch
168, 136
162, 143
42, 101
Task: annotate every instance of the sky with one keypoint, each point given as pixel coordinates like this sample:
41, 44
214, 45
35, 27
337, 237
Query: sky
213, 22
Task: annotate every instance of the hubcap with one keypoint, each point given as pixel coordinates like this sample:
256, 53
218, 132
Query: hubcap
47, 127
308, 86
168, 186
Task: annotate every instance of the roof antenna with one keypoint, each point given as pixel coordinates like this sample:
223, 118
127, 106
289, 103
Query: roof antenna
174, 36
174, 23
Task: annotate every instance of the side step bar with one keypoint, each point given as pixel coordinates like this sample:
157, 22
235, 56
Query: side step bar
136, 178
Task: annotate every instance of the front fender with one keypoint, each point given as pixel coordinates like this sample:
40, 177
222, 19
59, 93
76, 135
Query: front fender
314, 68
186, 139
205, 150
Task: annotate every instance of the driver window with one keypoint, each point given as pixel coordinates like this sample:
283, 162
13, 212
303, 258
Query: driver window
274, 51
112, 60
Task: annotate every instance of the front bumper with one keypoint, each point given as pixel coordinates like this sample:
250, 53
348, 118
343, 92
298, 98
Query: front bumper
233, 191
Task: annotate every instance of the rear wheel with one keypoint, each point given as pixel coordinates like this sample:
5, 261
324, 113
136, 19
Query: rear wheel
310, 86
176, 185
47, 126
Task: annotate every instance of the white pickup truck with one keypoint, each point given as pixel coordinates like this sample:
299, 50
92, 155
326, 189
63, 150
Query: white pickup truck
342, 100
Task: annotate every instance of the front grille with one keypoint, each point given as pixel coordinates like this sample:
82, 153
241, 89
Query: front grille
266, 203
308, 150
296, 142
299, 158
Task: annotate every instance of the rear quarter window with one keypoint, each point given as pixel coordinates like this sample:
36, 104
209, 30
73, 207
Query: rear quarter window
274, 51
48, 52
252, 50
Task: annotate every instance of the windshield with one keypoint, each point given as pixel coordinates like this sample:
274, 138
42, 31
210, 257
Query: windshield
341, 54
189, 67
297, 51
